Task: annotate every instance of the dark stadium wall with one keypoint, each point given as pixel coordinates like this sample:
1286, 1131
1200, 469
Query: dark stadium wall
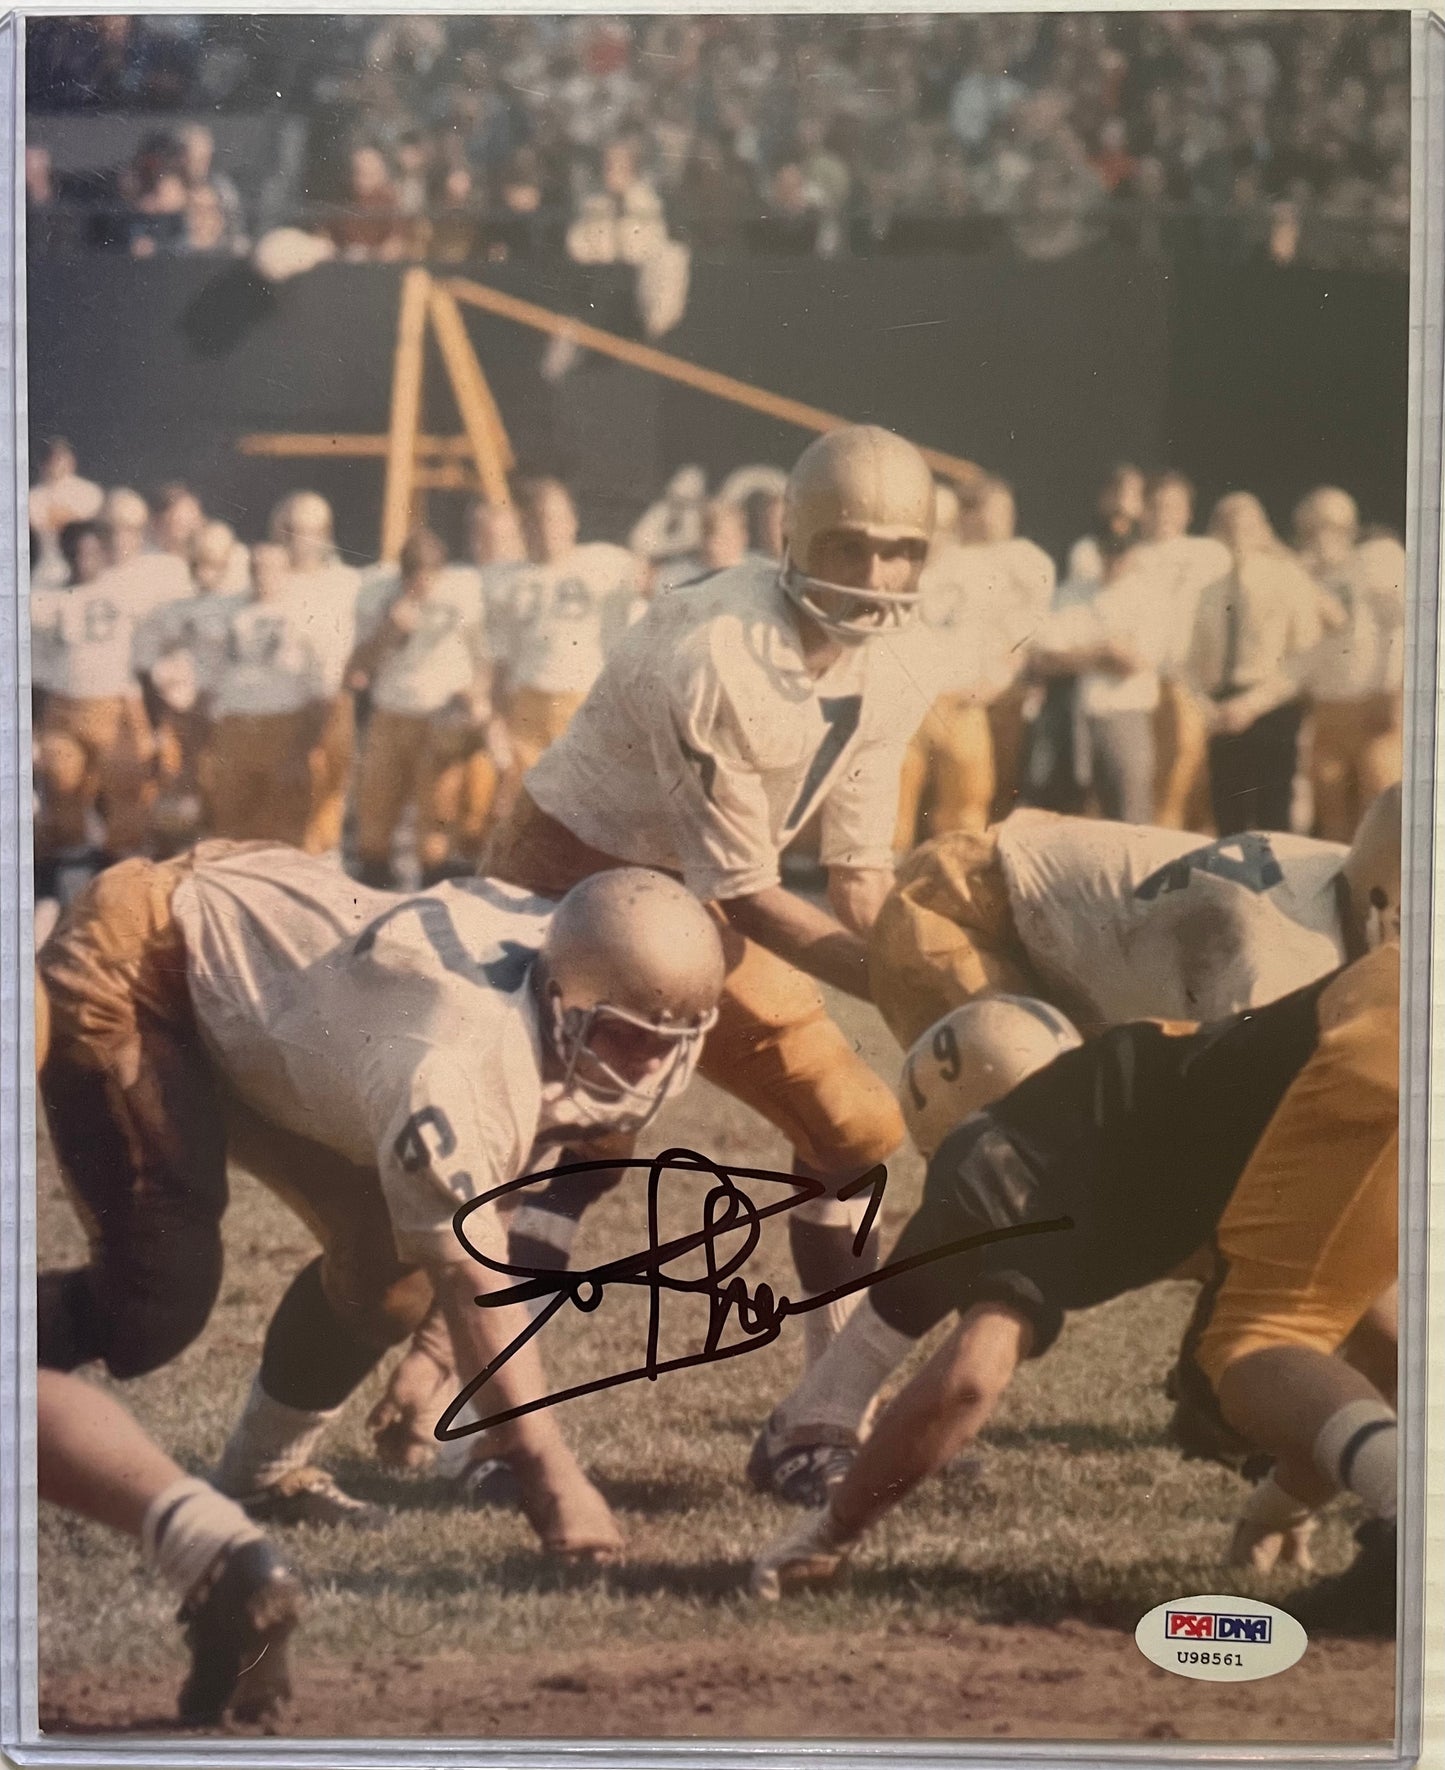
1045, 373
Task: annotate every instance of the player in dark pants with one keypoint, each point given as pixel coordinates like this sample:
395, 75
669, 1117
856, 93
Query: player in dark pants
1269, 1140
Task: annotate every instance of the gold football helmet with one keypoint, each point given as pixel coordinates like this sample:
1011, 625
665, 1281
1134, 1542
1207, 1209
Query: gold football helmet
628, 980
865, 479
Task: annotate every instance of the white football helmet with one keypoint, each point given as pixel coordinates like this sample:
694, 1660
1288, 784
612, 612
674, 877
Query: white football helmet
972, 1057
628, 981
863, 478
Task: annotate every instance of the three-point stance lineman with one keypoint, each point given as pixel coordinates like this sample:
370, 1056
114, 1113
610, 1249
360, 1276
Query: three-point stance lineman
1272, 1141
721, 723
377, 1061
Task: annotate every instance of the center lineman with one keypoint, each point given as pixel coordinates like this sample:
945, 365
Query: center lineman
721, 723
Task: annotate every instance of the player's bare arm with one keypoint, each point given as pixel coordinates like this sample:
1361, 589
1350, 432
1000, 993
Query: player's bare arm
568, 1514
804, 935
856, 895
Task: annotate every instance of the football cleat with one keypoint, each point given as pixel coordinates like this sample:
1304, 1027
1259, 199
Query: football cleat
310, 1496
238, 1621
1361, 1600
490, 1482
802, 1474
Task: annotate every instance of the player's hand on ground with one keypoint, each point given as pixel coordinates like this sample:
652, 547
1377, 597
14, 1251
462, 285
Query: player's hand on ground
805, 1555
1260, 1548
1274, 1530
402, 1422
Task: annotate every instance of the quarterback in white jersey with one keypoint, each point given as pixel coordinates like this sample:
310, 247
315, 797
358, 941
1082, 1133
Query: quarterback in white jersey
379, 1061
727, 717
707, 744
1117, 922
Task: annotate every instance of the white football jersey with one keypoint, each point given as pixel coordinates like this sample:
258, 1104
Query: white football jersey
81, 641
1180, 569
441, 657
706, 745
396, 1031
558, 622
279, 656
147, 580
979, 605
1123, 922
335, 586
190, 635
1365, 656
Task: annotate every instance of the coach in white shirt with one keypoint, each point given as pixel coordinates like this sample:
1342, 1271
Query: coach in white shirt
1114, 637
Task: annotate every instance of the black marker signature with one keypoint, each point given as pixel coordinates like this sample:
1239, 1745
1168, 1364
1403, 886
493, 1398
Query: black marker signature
726, 1209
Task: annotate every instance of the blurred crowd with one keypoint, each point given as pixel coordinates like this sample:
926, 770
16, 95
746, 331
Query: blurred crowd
187, 683
1271, 135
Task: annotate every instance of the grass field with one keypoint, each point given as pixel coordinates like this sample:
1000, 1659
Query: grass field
1001, 1599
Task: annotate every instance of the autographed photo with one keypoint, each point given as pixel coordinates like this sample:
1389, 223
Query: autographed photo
717, 747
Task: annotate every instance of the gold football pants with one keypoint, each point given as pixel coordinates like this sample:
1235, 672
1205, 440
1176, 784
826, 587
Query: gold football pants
949, 763
257, 778
423, 759
93, 753
1356, 752
1308, 1240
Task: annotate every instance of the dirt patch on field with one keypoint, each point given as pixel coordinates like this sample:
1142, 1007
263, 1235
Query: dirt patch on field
973, 1682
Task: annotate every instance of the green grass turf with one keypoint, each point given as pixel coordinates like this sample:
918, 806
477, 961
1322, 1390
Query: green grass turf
1073, 1505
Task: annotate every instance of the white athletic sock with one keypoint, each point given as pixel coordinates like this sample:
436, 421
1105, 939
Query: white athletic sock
184, 1529
1358, 1448
269, 1440
821, 1327
839, 1389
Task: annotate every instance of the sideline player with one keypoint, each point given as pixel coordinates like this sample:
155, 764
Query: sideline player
421, 649
554, 620
1356, 674
176, 653
93, 738
1279, 1132
377, 1061
327, 589
280, 664
725, 718
1181, 566
59, 497
1114, 922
